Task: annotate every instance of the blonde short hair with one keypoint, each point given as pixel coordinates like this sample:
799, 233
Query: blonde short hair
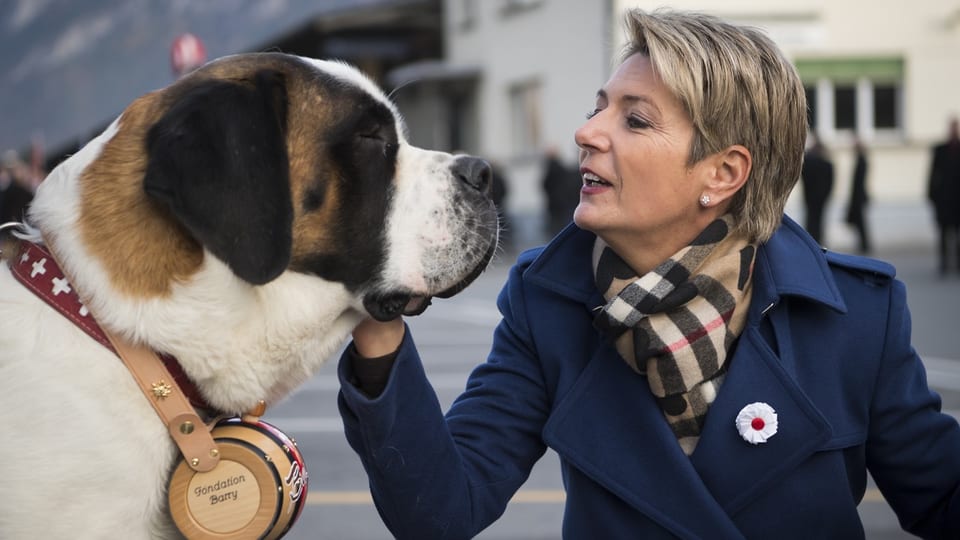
737, 88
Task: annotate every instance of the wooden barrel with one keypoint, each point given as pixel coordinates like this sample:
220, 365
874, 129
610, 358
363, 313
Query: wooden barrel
256, 491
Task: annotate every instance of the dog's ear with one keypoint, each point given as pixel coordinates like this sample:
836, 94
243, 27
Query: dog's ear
218, 159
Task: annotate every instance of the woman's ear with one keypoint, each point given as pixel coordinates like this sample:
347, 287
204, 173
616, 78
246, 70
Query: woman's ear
730, 170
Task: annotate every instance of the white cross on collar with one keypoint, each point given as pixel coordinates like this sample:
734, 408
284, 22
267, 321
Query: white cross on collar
60, 285
38, 268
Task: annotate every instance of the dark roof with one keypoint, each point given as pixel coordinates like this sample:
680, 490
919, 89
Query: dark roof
69, 67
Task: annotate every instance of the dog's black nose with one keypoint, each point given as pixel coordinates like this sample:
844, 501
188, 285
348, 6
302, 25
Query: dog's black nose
474, 172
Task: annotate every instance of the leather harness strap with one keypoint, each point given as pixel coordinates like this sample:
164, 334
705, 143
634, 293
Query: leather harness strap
186, 427
37, 269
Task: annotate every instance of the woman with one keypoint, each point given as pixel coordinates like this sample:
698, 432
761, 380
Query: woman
741, 387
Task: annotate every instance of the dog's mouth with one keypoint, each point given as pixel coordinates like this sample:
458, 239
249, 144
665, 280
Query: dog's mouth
388, 306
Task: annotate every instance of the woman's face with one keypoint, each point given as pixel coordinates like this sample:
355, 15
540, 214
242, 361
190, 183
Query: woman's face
638, 191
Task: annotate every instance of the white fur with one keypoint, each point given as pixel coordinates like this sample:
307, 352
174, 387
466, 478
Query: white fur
85, 455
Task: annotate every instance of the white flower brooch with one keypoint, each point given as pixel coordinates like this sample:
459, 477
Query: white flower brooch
757, 422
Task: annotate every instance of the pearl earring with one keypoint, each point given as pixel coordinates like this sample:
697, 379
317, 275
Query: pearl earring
704, 200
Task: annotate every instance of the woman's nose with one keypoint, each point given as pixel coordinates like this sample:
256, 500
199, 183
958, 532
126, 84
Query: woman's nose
589, 136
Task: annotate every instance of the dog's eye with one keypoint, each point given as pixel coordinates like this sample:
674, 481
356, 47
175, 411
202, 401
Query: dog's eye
372, 135
377, 137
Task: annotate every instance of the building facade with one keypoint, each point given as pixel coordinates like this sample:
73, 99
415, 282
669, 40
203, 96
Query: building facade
519, 75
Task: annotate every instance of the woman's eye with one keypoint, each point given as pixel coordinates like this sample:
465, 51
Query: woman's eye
591, 114
635, 122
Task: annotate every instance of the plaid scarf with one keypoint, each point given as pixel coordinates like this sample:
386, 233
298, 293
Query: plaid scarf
684, 316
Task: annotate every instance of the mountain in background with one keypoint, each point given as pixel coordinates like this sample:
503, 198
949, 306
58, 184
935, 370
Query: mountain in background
68, 68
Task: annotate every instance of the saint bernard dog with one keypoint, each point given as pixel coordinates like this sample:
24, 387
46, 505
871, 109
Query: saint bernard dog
242, 220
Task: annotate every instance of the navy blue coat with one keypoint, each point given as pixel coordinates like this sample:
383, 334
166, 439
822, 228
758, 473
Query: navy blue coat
827, 345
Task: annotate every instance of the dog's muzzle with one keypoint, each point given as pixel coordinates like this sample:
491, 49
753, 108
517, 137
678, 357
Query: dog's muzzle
388, 306
475, 174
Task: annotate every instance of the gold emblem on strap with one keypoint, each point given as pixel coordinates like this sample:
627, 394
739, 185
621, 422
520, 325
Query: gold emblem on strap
161, 389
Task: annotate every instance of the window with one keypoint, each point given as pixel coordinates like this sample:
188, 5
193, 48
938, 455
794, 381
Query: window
845, 107
525, 117
886, 99
861, 95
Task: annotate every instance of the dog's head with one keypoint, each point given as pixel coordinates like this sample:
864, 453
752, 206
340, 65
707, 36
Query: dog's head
275, 163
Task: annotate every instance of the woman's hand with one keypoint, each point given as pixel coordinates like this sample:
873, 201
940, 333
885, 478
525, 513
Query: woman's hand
373, 338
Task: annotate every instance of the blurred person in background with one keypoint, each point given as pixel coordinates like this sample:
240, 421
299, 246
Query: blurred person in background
701, 366
943, 190
857, 205
16, 187
817, 175
561, 187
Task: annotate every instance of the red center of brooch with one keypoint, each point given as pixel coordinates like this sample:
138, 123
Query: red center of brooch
757, 424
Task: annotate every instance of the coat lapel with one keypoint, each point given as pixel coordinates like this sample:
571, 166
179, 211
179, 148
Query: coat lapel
735, 471
609, 427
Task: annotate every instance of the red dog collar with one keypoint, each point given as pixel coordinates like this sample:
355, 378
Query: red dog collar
36, 269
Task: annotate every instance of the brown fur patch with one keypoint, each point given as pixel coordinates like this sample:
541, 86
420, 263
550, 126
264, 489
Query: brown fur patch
141, 246
311, 169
